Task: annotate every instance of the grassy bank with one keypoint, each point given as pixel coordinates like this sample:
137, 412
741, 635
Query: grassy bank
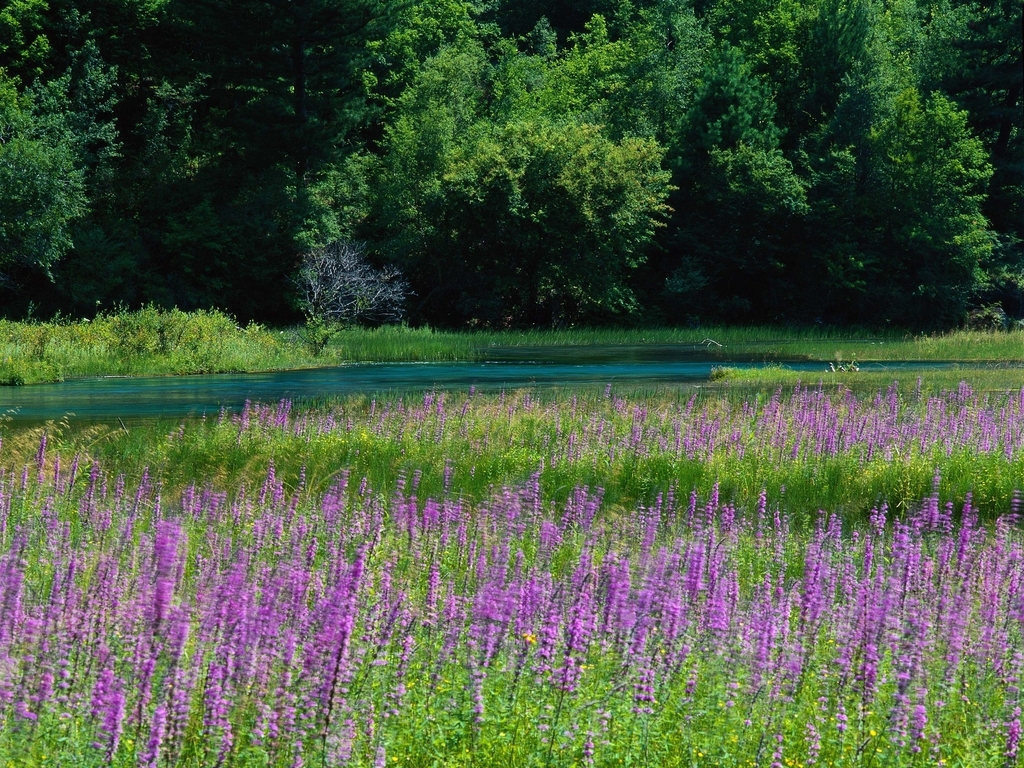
139, 343
994, 377
155, 342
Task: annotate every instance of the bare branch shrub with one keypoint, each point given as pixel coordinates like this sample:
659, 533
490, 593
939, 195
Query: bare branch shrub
337, 286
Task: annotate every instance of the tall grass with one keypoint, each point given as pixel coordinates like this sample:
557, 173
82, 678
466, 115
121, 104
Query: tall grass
826, 344
817, 448
149, 341
984, 377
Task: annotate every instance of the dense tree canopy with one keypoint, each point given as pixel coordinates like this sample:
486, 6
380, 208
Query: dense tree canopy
522, 162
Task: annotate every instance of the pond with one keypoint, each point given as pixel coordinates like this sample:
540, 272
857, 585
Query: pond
109, 399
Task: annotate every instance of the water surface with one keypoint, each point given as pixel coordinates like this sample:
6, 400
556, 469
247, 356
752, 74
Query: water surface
109, 399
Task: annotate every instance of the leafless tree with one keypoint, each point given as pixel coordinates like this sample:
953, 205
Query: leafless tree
337, 286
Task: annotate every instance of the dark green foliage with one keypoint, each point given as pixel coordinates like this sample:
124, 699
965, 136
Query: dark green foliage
735, 185
525, 162
984, 76
504, 212
41, 187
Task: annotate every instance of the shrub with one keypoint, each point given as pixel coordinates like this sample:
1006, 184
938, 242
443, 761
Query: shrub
990, 317
337, 286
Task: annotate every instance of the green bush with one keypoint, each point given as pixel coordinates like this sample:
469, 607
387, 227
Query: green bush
10, 377
146, 341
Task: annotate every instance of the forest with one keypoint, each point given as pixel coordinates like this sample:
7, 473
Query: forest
521, 163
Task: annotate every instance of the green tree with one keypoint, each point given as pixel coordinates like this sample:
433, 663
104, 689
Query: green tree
242, 147
518, 17
284, 83
739, 204
24, 46
89, 83
41, 186
637, 83
927, 189
984, 74
838, 160
507, 217
419, 31
897, 192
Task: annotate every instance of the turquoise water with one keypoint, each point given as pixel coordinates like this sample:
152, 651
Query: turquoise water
108, 399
